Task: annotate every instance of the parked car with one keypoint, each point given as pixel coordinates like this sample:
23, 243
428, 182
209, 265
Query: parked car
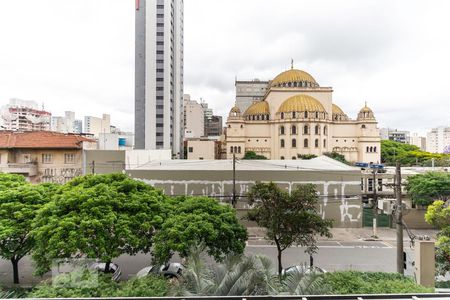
170, 270
303, 269
114, 269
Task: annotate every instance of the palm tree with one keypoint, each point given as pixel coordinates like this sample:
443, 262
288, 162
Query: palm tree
300, 283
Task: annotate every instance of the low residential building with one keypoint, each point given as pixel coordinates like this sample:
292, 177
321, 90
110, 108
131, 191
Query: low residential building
203, 149
43, 156
116, 141
438, 140
24, 115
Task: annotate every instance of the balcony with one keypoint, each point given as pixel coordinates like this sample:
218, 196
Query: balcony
28, 169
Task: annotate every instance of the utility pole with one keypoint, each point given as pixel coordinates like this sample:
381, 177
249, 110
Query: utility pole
233, 202
93, 167
399, 216
375, 202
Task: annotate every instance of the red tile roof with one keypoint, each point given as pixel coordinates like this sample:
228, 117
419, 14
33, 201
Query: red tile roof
41, 139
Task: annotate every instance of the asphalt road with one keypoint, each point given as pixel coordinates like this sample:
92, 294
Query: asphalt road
332, 255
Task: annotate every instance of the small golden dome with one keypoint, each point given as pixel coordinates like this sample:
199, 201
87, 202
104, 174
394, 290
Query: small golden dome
258, 108
235, 109
337, 110
365, 109
300, 103
291, 76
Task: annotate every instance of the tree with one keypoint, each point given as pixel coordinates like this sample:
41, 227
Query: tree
194, 220
97, 216
438, 214
336, 156
253, 155
289, 219
410, 155
19, 203
425, 188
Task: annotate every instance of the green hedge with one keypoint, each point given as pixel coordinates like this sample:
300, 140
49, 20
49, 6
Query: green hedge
353, 282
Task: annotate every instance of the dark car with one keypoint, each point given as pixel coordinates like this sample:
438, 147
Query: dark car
170, 270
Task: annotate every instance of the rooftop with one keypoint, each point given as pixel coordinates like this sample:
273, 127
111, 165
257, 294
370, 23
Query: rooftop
41, 139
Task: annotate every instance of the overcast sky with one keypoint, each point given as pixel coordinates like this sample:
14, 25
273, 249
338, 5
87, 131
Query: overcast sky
79, 54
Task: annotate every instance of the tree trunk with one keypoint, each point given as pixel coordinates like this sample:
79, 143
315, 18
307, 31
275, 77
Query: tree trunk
15, 265
280, 266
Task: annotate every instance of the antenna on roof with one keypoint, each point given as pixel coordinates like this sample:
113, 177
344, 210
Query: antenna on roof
292, 63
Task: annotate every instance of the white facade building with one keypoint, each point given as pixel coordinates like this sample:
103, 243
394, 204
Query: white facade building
67, 123
194, 118
115, 141
24, 115
438, 139
418, 141
159, 75
95, 126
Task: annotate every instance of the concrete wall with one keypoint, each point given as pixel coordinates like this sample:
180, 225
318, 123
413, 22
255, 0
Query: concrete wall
103, 161
339, 191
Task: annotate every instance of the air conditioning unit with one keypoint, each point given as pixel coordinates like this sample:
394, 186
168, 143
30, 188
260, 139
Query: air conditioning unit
386, 205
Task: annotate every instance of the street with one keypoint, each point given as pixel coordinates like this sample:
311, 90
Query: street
332, 255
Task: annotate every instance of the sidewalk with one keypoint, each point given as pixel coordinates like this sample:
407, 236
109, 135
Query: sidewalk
355, 234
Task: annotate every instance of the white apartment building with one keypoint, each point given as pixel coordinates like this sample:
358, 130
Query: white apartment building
95, 126
159, 75
438, 139
194, 118
67, 123
418, 141
24, 115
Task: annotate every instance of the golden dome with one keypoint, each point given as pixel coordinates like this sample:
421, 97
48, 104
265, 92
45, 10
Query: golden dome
337, 110
365, 109
300, 103
291, 76
258, 108
235, 109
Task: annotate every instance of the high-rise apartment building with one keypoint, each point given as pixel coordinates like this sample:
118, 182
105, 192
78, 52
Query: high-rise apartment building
438, 139
400, 136
24, 115
95, 126
418, 141
67, 123
249, 91
159, 75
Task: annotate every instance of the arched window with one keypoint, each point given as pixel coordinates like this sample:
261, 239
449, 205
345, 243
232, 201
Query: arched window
374, 149
231, 149
253, 117
282, 115
281, 129
293, 115
235, 149
317, 114
316, 143
363, 126
229, 126
282, 143
325, 130
367, 149
371, 149
324, 143
257, 117
294, 143
239, 149
294, 158
267, 117
305, 129
306, 114
242, 126
317, 129
294, 129
305, 143
282, 157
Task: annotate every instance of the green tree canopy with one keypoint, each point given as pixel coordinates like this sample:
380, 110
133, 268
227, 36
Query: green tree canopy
19, 203
97, 216
194, 220
253, 155
289, 219
410, 155
425, 188
336, 156
438, 214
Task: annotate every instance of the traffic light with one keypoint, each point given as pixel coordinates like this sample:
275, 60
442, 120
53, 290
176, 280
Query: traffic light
404, 260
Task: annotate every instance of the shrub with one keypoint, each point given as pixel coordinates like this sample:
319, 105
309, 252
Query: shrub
354, 282
148, 286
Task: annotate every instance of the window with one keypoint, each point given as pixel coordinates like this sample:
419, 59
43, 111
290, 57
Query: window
294, 143
363, 126
294, 129
191, 149
317, 114
380, 184
281, 129
306, 114
282, 115
305, 129
293, 115
231, 149
374, 149
324, 143
317, 129
69, 158
239, 149
305, 143
282, 157
294, 158
316, 143
282, 143
325, 130
47, 158
370, 185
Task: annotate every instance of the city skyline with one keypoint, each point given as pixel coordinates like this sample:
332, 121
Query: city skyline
395, 58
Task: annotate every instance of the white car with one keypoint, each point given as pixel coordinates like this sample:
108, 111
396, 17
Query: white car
170, 270
303, 269
113, 269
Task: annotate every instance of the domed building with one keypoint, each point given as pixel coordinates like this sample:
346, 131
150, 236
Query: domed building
298, 117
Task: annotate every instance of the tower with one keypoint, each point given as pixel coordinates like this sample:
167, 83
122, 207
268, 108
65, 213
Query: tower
159, 75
